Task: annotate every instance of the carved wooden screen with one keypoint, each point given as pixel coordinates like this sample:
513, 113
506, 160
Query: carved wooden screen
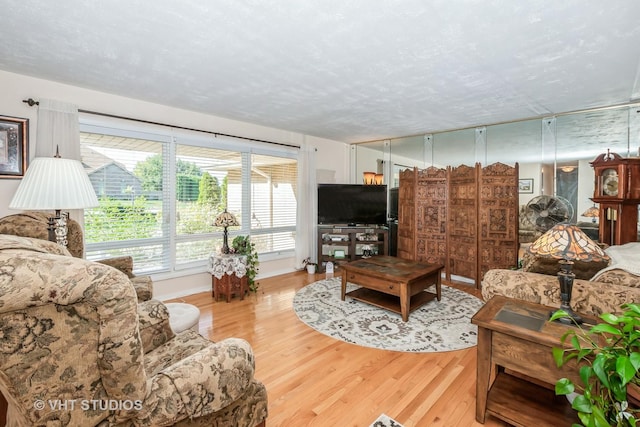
463, 222
406, 214
498, 218
431, 215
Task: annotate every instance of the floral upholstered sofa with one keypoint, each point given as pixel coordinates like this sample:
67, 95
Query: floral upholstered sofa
605, 292
77, 349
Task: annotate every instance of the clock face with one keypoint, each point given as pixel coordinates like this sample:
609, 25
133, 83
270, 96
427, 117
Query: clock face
610, 182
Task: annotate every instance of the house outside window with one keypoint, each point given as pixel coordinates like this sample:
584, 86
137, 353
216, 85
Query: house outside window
161, 191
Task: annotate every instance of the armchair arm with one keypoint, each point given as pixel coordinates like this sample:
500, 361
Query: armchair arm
122, 263
142, 284
198, 385
155, 329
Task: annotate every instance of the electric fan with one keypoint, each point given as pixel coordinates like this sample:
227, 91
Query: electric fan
543, 212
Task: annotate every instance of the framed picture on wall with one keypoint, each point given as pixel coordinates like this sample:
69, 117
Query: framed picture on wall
525, 186
14, 142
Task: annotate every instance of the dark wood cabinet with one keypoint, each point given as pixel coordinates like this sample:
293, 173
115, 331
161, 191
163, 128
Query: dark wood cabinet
340, 244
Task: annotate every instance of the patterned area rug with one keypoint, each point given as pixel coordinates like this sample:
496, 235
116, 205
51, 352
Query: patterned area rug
436, 326
385, 421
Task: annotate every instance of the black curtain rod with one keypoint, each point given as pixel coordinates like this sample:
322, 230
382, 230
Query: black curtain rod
32, 102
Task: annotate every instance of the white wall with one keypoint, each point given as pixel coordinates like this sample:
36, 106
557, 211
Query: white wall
530, 170
586, 186
331, 155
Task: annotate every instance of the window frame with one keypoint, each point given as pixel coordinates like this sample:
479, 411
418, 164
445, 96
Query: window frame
173, 137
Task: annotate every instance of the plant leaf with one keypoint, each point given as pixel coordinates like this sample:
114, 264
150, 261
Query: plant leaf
558, 354
599, 418
634, 358
610, 318
558, 314
632, 308
625, 369
600, 370
586, 372
564, 386
605, 328
582, 404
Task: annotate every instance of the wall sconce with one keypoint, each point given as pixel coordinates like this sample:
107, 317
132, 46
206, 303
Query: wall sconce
369, 178
379, 178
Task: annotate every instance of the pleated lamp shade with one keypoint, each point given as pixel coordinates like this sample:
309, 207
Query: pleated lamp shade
54, 183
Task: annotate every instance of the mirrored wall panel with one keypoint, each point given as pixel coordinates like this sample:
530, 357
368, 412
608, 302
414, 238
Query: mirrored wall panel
553, 153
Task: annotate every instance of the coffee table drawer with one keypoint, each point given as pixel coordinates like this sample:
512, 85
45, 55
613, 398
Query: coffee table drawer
371, 282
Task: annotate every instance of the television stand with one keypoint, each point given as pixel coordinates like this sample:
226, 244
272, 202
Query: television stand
342, 244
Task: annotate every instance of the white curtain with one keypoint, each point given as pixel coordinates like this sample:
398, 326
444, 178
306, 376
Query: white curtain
307, 213
57, 126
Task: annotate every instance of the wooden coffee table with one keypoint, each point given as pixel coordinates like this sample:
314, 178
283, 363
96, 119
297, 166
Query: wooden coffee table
392, 283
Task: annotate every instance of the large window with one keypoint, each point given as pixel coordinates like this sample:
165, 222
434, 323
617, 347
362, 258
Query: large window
160, 193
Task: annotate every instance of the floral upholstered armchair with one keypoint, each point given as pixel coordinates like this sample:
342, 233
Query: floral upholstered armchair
75, 351
35, 224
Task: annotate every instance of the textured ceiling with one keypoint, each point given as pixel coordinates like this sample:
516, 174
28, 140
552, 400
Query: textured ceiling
345, 70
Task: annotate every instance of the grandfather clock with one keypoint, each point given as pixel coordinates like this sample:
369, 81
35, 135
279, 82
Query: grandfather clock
617, 190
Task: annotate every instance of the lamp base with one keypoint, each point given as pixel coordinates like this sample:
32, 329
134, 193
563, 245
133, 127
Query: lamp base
565, 278
225, 242
57, 227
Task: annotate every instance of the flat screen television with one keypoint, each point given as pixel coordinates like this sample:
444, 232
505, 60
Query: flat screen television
352, 204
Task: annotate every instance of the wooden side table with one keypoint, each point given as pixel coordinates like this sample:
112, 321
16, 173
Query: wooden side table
516, 370
228, 275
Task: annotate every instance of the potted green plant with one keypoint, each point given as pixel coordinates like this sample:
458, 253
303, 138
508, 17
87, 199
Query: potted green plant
608, 356
243, 245
309, 265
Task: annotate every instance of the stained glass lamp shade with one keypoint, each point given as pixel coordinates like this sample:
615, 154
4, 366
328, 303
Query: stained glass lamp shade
568, 244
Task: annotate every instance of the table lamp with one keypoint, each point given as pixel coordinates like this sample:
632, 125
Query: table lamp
592, 213
54, 183
568, 244
225, 219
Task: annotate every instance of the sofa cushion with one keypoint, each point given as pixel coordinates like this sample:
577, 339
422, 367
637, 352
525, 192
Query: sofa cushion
547, 265
619, 277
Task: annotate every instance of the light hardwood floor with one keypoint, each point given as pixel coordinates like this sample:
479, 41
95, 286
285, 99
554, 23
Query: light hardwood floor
315, 380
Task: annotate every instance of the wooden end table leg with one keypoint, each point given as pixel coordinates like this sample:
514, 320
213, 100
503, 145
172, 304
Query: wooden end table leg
213, 286
343, 289
483, 374
228, 287
405, 301
439, 286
